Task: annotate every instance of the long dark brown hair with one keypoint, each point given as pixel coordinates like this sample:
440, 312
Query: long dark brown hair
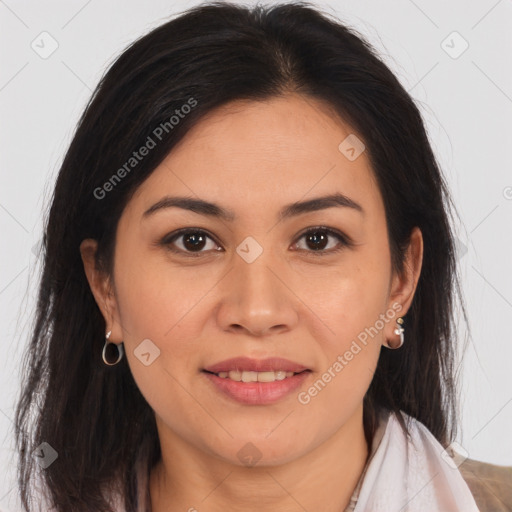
94, 416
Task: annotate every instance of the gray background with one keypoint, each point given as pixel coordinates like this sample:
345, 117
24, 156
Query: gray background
466, 101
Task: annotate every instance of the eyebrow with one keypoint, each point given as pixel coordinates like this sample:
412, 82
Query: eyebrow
291, 210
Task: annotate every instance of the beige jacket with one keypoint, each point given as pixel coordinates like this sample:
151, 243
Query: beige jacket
491, 485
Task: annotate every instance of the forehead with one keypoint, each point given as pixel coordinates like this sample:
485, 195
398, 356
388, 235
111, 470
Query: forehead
250, 152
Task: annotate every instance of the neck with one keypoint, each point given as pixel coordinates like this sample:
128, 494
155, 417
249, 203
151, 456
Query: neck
324, 478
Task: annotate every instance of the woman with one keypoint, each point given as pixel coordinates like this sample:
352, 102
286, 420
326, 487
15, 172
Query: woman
248, 286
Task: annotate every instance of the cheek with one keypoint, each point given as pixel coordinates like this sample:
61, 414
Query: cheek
352, 303
156, 302
351, 297
154, 294
353, 309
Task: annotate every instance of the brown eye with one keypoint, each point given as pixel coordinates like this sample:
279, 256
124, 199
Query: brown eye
317, 240
190, 241
322, 240
194, 241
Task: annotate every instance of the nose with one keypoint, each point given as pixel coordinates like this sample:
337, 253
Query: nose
256, 298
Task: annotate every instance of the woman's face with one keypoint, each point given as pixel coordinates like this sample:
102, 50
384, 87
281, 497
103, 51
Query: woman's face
255, 284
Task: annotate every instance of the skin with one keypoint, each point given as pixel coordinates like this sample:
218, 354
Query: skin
290, 302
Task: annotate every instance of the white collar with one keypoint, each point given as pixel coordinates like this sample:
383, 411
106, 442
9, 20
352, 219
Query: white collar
409, 473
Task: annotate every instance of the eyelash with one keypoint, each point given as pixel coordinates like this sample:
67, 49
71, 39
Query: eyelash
344, 241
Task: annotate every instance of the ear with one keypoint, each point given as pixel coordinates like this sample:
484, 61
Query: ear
403, 286
102, 289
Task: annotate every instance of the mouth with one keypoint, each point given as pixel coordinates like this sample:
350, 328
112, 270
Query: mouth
251, 381
253, 376
256, 388
245, 364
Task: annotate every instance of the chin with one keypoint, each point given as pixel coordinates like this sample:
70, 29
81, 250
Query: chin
253, 451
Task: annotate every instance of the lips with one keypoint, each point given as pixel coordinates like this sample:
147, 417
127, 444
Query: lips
241, 364
257, 393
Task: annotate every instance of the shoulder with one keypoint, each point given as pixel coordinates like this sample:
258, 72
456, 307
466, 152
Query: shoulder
491, 485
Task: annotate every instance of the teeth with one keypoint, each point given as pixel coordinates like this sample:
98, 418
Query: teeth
255, 376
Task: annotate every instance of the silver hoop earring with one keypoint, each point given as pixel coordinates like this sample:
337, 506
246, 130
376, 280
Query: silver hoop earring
120, 350
400, 331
